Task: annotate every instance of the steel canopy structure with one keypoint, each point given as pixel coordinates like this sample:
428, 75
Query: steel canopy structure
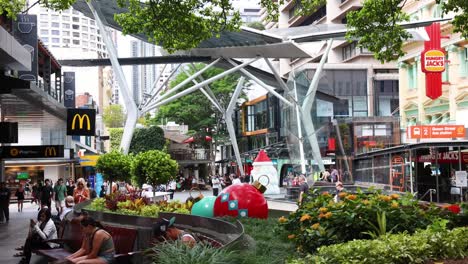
248, 44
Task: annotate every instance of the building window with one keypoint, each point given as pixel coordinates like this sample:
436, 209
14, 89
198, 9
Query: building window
76, 34
91, 22
44, 32
84, 28
44, 16
84, 21
76, 19
463, 54
55, 40
413, 76
55, 18
44, 24
66, 41
65, 18
55, 24
66, 25
75, 26
445, 74
75, 12
85, 43
65, 33
76, 42
92, 37
85, 36
55, 32
45, 39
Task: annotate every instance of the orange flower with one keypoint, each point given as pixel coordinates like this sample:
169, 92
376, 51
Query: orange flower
385, 198
351, 197
291, 236
321, 215
342, 194
394, 204
395, 196
282, 219
326, 194
366, 202
305, 217
323, 209
315, 226
328, 215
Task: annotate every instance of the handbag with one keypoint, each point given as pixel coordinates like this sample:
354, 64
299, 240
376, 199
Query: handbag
191, 200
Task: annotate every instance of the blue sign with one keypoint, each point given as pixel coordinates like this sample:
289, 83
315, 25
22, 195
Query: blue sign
99, 183
91, 181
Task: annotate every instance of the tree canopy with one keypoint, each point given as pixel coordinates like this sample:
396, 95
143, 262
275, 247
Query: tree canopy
113, 116
154, 167
144, 139
115, 166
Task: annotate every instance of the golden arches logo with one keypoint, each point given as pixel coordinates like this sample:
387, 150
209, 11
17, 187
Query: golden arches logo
14, 152
50, 152
81, 119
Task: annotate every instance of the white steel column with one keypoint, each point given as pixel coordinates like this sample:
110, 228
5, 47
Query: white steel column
259, 82
299, 128
230, 124
132, 110
197, 86
307, 108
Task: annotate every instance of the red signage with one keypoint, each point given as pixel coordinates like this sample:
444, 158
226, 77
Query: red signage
439, 131
433, 62
444, 157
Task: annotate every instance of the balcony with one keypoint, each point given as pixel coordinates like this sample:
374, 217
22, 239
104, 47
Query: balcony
191, 156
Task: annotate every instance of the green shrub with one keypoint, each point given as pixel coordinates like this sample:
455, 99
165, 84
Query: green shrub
177, 252
396, 248
321, 221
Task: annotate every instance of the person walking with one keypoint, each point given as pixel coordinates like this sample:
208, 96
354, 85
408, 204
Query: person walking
46, 195
4, 201
216, 185
303, 187
172, 188
20, 197
60, 192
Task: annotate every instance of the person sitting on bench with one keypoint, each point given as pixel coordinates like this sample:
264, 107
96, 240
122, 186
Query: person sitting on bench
97, 247
43, 229
165, 230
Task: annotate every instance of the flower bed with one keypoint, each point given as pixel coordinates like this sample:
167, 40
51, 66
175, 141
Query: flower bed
403, 248
135, 205
321, 221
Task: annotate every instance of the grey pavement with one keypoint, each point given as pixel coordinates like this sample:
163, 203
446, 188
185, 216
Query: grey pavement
13, 233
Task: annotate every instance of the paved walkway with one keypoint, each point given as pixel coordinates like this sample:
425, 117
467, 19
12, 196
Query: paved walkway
13, 233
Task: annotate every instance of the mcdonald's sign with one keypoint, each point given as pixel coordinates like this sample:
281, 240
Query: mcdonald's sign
81, 122
50, 152
31, 152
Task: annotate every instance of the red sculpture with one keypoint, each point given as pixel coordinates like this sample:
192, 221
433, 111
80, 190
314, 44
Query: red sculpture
241, 200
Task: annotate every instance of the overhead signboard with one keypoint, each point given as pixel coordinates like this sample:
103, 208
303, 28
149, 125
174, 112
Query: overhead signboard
436, 131
89, 160
31, 152
69, 89
444, 157
25, 30
433, 62
81, 122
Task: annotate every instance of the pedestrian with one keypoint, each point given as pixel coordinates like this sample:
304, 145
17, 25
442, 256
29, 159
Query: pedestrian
4, 202
70, 187
20, 197
334, 175
172, 187
69, 204
81, 193
339, 188
102, 193
60, 192
235, 179
92, 192
303, 188
40, 231
46, 195
35, 193
216, 185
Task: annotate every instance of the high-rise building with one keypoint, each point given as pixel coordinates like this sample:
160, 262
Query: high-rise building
249, 10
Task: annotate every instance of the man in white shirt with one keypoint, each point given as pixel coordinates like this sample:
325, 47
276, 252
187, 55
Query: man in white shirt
216, 185
235, 179
69, 204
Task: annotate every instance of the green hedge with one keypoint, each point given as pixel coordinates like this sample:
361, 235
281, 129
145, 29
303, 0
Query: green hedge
397, 248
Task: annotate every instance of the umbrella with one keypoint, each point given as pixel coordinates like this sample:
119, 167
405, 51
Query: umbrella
191, 139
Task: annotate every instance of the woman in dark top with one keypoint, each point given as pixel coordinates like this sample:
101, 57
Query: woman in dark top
97, 247
20, 196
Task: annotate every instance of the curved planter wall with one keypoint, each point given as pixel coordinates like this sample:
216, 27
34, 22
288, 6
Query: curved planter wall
225, 232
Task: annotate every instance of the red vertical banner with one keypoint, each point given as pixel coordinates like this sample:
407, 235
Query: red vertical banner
331, 144
433, 62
